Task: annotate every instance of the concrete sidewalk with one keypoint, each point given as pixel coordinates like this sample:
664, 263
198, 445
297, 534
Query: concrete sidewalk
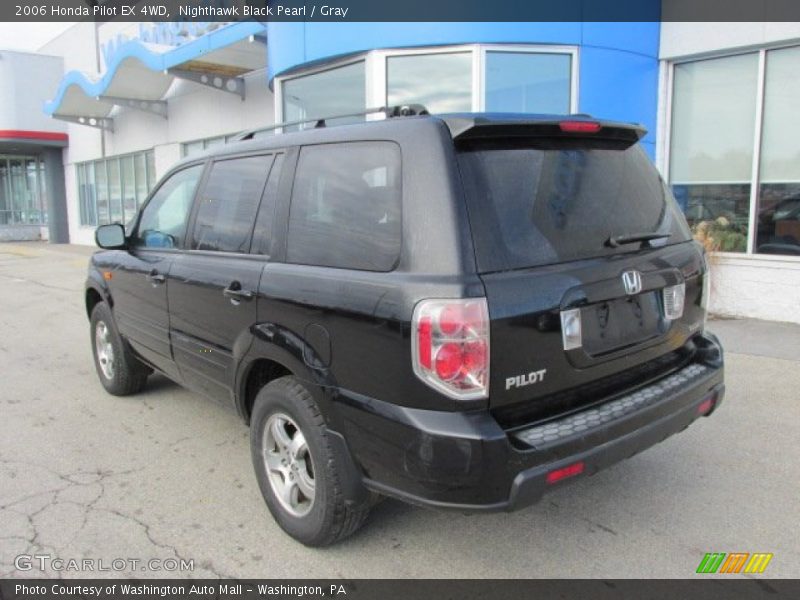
167, 474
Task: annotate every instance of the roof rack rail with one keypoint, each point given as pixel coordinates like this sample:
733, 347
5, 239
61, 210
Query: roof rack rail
405, 110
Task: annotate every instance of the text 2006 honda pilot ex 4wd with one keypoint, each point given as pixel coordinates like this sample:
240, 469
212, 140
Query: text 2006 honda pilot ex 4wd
462, 311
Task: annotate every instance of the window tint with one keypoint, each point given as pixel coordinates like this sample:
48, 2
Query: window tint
533, 206
163, 221
346, 206
262, 238
229, 203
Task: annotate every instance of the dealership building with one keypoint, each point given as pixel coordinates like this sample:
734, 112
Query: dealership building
114, 105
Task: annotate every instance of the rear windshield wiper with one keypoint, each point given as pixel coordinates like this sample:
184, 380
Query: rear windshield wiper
631, 238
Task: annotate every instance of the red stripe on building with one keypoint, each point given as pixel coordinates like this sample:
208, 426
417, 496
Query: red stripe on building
20, 134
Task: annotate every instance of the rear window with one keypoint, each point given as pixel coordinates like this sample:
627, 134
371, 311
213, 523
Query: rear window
555, 201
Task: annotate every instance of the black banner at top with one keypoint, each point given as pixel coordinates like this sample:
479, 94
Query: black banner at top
402, 11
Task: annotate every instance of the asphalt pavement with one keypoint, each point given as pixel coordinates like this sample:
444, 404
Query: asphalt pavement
166, 475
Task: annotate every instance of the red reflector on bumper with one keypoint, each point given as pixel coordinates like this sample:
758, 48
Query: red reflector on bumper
570, 471
707, 405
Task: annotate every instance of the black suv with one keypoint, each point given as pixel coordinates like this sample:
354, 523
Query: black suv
461, 311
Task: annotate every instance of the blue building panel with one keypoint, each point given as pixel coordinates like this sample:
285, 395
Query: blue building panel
618, 61
620, 85
640, 38
292, 45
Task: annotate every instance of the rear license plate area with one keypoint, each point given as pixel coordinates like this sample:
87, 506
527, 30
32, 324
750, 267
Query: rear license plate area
622, 322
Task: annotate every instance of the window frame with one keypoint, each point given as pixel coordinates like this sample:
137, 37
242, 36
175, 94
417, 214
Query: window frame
375, 64
201, 186
666, 114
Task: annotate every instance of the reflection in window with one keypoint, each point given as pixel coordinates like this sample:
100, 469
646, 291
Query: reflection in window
712, 147
346, 206
163, 221
338, 91
228, 204
527, 82
440, 82
778, 217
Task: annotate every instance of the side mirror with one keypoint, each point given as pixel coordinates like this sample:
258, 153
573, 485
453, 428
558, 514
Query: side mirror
110, 237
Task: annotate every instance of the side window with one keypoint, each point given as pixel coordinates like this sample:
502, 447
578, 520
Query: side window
163, 220
345, 208
262, 238
228, 204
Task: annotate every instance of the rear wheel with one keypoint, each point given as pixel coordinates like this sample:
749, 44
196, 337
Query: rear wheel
296, 468
120, 372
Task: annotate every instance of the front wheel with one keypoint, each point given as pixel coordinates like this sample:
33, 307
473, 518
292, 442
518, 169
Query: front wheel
119, 370
296, 468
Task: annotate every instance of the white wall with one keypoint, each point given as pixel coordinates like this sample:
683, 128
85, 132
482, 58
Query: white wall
27, 82
756, 287
692, 39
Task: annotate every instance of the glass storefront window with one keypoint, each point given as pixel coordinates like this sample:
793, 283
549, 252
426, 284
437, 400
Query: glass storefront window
142, 183
497, 77
712, 147
21, 190
150, 163
193, 147
337, 91
114, 190
111, 190
440, 82
5, 193
101, 192
129, 204
778, 216
529, 82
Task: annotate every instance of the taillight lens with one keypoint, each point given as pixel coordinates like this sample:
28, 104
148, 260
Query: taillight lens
579, 126
674, 297
450, 346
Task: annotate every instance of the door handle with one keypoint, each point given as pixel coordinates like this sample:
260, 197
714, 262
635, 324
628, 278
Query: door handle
155, 277
235, 292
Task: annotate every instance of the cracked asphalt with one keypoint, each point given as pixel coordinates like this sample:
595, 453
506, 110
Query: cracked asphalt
167, 474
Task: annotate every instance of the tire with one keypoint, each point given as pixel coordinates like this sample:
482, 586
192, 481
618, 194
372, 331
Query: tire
120, 372
286, 405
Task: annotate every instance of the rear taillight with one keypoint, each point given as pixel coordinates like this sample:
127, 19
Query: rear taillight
579, 126
450, 346
674, 297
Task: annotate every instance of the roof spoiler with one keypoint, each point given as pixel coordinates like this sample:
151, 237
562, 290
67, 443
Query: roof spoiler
469, 127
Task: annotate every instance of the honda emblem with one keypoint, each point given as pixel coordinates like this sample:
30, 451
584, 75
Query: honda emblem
632, 280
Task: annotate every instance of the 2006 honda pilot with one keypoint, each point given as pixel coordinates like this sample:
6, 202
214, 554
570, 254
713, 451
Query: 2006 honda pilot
461, 311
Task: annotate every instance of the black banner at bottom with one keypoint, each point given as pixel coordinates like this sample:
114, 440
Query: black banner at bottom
399, 589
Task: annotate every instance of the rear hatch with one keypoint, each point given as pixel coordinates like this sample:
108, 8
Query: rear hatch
584, 254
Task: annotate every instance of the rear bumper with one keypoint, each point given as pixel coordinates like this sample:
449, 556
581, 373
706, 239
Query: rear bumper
467, 462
